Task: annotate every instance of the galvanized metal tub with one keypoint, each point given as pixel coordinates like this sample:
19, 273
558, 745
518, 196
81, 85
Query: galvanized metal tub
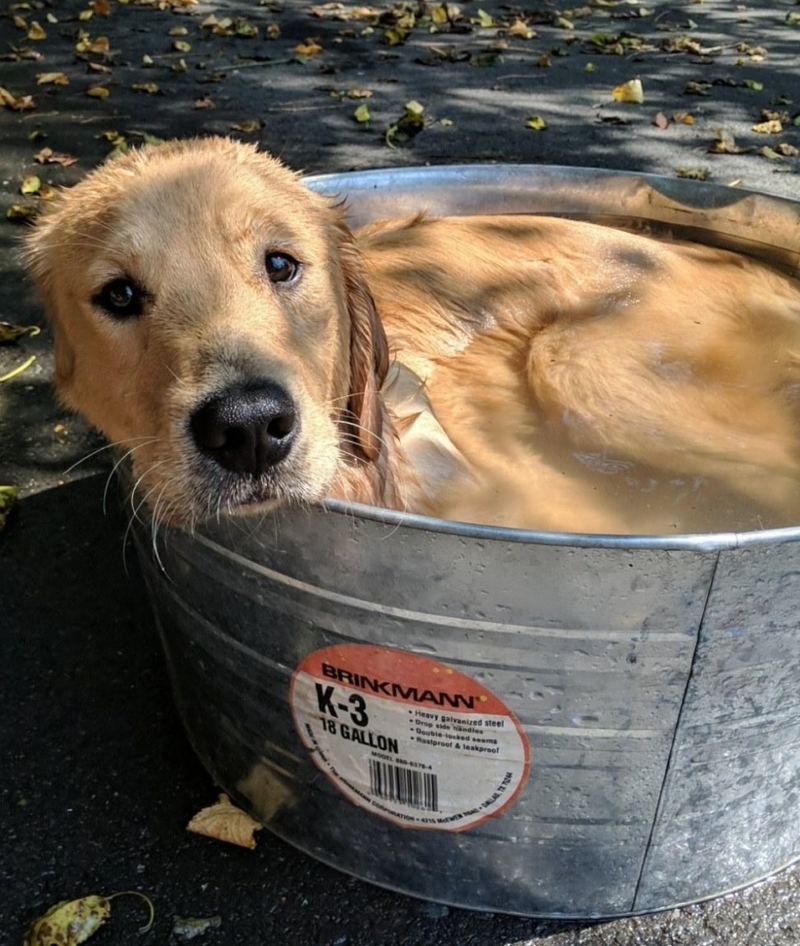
548, 724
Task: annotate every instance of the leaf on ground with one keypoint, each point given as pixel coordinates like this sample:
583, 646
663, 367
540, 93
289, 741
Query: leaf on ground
272, 30
308, 49
48, 156
149, 88
86, 44
408, 126
683, 118
36, 32
205, 101
52, 78
225, 822
248, 127
8, 499
536, 122
100, 7
770, 153
693, 174
753, 84
484, 19
361, 113
69, 922
30, 185
694, 87
72, 922
21, 213
631, 92
12, 333
181, 46
98, 91
17, 103
338, 11
725, 144
100, 67
519, 29
787, 150
661, 121
771, 126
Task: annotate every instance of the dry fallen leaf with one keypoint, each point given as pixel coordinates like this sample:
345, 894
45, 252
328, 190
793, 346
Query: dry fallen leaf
48, 156
98, 91
151, 88
661, 121
16, 103
308, 49
685, 118
225, 822
52, 78
35, 31
520, 30
361, 114
205, 101
630, 91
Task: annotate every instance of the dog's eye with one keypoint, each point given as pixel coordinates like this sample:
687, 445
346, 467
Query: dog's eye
121, 298
281, 267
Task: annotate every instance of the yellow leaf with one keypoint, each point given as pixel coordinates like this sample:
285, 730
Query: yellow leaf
181, 46
151, 88
35, 31
685, 118
536, 122
771, 127
52, 78
521, 30
359, 94
484, 19
72, 922
309, 48
590, 67
30, 184
98, 92
69, 923
178, 31
361, 114
630, 91
85, 15
147, 60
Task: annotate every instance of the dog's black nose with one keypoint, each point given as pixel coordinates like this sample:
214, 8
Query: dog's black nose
247, 428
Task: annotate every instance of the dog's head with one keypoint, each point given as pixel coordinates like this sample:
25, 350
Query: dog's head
210, 318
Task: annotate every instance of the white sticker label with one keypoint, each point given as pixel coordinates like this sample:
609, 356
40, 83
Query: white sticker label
408, 737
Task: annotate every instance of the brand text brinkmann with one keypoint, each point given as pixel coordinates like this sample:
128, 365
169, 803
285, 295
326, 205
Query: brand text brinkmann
391, 688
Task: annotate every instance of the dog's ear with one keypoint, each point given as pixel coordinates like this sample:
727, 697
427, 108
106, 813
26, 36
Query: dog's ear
36, 254
369, 353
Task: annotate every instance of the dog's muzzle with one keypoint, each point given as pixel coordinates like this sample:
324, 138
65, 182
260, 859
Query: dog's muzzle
247, 428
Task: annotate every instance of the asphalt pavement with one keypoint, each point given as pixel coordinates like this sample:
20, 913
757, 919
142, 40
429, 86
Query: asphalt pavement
98, 780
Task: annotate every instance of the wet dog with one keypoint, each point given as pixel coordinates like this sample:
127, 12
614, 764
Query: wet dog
221, 323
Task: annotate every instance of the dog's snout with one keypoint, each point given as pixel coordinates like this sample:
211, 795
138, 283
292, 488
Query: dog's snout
247, 428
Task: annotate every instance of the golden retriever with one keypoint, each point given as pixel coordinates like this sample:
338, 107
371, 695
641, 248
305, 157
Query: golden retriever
220, 322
